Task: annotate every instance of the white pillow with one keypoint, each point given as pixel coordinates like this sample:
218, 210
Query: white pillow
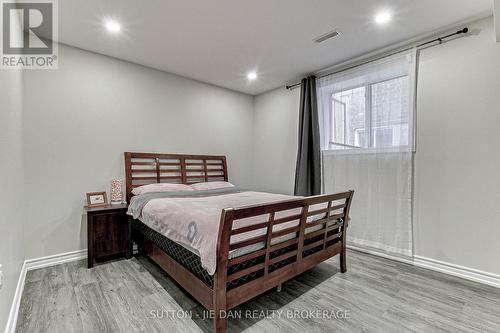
210, 185
161, 187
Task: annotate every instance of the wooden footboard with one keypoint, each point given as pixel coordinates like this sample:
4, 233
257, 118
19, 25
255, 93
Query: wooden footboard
318, 234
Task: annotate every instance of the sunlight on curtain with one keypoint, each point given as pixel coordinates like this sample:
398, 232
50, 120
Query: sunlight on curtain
367, 136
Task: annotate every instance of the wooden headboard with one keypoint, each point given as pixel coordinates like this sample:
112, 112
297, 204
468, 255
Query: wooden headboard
150, 168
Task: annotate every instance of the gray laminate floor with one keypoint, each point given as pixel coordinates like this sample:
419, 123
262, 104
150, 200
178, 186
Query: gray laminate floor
375, 295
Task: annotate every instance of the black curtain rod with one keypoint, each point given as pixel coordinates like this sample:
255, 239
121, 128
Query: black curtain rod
440, 40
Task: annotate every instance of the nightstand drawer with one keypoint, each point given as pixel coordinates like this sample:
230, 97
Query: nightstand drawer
110, 231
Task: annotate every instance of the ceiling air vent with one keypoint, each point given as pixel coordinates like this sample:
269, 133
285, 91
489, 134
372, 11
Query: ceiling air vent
327, 36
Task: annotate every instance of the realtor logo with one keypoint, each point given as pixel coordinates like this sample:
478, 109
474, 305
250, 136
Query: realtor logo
29, 34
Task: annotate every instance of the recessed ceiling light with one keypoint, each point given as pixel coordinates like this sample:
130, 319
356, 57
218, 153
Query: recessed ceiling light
252, 76
113, 26
383, 17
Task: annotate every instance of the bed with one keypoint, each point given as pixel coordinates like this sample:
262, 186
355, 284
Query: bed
227, 245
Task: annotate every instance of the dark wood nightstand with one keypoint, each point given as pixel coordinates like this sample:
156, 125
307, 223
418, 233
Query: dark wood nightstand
108, 233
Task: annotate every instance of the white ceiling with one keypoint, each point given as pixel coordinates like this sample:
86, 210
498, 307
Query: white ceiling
219, 41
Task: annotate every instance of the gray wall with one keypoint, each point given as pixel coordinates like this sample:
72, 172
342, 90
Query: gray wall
457, 161
276, 140
81, 118
457, 206
11, 194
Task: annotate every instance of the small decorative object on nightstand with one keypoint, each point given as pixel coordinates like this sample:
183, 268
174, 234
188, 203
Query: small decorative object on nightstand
108, 233
116, 192
97, 199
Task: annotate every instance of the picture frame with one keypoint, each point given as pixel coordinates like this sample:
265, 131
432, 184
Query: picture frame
97, 199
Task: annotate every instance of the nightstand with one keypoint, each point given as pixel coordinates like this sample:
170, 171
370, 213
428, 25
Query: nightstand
108, 233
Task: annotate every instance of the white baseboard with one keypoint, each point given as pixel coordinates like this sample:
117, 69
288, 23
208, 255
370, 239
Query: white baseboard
56, 259
14, 308
406, 260
29, 265
471, 274
466, 273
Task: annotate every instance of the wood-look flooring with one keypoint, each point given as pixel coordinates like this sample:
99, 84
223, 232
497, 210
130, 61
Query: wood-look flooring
375, 295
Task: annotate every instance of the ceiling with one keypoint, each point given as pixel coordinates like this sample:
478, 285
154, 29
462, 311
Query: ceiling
220, 41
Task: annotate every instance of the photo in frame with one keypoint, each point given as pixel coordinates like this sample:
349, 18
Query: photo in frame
97, 199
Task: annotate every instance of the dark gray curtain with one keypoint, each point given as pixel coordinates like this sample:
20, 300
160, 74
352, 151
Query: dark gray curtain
308, 172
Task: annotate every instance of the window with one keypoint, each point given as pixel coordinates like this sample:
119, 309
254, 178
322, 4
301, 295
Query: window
348, 118
369, 107
372, 116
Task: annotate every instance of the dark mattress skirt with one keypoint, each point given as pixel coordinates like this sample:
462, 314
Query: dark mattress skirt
192, 261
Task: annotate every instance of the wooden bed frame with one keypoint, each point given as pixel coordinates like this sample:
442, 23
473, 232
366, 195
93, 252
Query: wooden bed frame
148, 168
